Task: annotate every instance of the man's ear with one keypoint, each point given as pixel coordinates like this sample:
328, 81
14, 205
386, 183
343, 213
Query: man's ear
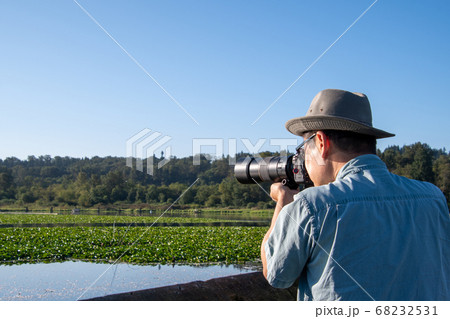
323, 144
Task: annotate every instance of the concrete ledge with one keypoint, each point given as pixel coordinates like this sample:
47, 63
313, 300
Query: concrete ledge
245, 287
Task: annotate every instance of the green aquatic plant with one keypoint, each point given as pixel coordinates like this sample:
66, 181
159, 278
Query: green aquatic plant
141, 245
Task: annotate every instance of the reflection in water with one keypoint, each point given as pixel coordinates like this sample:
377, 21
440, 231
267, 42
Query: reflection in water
69, 280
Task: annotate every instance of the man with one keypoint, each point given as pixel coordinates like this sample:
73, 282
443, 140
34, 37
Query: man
361, 233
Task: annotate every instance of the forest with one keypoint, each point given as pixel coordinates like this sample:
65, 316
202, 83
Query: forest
66, 182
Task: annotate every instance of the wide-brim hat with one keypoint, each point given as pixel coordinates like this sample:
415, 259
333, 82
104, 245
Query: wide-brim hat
339, 110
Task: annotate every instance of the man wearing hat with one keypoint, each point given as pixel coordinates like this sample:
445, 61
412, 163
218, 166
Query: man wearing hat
361, 233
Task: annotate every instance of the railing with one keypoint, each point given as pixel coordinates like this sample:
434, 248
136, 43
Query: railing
245, 287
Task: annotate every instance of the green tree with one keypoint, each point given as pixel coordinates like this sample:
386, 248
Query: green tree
391, 157
152, 194
422, 165
85, 199
226, 191
441, 169
7, 189
204, 192
213, 200
85, 182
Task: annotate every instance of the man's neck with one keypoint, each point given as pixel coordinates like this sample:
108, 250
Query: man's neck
338, 160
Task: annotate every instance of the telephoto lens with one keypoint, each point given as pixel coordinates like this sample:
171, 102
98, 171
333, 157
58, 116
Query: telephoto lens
289, 170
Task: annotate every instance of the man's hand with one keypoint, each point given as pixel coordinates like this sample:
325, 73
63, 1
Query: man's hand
283, 195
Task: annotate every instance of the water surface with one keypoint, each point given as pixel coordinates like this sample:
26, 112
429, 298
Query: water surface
74, 279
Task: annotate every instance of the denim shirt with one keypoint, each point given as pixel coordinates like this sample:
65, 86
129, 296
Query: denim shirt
369, 235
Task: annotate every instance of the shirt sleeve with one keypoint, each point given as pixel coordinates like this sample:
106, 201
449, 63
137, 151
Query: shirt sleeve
290, 244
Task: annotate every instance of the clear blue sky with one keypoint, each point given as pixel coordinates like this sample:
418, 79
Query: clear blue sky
67, 89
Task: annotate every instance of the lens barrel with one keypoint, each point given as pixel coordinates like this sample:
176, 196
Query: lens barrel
249, 170
289, 170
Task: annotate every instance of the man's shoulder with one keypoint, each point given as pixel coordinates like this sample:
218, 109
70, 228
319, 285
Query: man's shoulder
318, 197
414, 186
356, 188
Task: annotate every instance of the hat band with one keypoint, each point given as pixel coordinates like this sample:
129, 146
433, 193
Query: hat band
298, 127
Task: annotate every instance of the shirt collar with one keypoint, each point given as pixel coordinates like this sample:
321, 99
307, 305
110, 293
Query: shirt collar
358, 164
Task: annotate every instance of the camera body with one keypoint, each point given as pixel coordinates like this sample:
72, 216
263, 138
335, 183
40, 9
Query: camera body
289, 170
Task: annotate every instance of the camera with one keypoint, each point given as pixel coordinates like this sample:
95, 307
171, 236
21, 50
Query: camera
289, 170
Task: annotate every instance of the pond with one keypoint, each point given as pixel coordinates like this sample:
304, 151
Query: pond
73, 280
50, 238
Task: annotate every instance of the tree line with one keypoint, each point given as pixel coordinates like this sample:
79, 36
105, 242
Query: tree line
47, 181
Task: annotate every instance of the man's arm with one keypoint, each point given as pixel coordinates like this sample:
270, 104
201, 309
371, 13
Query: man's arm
282, 195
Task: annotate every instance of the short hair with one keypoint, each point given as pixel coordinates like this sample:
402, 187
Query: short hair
352, 142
